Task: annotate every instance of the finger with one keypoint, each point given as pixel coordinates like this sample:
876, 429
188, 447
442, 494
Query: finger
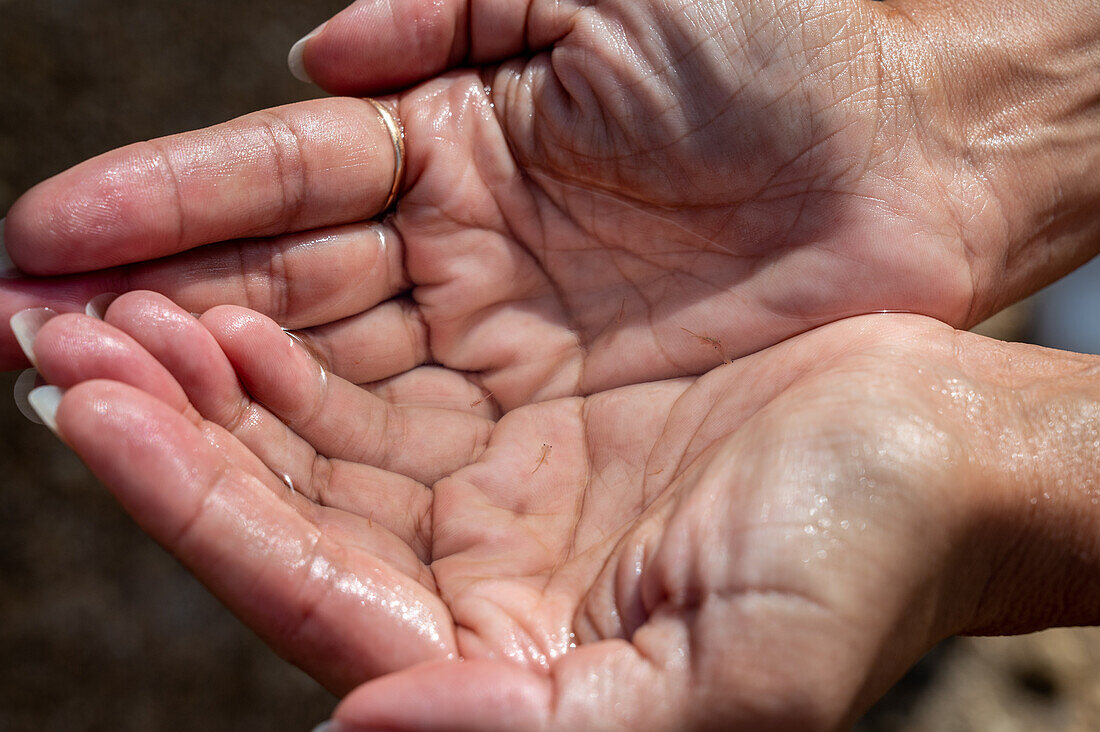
162, 337
379, 45
374, 345
450, 695
18, 294
391, 503
609, 685
339, 419
339, 613
291, 168
300, 280
442, 388
72, 348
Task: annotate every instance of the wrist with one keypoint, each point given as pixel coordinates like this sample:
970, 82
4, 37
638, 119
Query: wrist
1007, 99
1034, 523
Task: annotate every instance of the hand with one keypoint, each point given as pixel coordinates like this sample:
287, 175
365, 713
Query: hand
655, 188
768, 545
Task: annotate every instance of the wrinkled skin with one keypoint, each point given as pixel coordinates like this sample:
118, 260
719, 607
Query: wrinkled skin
658, 187
770, 544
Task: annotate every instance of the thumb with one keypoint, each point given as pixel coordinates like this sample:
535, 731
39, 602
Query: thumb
376, 46
604, 685
448, 695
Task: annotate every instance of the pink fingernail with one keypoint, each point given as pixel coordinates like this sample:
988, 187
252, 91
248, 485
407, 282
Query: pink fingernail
295, 58
25, 325
97, 306
330, 726
45, 400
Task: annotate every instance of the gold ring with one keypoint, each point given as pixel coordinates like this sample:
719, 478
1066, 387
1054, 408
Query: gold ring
397, 135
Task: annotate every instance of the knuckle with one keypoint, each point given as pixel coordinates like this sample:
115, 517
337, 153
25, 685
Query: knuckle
288, 163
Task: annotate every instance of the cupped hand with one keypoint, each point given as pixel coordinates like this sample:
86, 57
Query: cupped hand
769, 544
625, 191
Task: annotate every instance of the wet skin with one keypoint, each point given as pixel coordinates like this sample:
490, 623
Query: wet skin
823, 512
625, 191
505, 428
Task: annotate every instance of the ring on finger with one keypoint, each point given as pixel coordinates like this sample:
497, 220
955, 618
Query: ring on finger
397, 136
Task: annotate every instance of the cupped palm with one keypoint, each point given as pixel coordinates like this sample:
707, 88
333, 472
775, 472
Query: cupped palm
791, 509
657, 188
674, 184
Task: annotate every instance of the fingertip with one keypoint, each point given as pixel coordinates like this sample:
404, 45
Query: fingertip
296, 58
74, 348
375, 47
94, 215
270, 364
231, 323
488, 695
247, 337
183, 347
42, 229
138, 307
25, 326
19, 294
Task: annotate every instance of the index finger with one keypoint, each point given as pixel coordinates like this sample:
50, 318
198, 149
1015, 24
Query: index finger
292, 168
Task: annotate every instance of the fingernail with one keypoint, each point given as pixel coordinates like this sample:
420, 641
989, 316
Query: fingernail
330, 726
299, 339
294, 59
45, 401
25, 383
25, 325
97, 306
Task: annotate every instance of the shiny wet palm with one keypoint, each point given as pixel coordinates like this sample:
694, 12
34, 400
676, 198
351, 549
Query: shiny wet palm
674, 184
609, 532
607, 535
668, 188
670, 185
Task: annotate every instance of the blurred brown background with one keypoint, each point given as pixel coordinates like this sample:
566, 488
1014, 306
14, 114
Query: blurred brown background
102, 630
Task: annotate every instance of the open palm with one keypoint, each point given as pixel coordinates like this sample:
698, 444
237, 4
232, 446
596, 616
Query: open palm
596, 558
660, 187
